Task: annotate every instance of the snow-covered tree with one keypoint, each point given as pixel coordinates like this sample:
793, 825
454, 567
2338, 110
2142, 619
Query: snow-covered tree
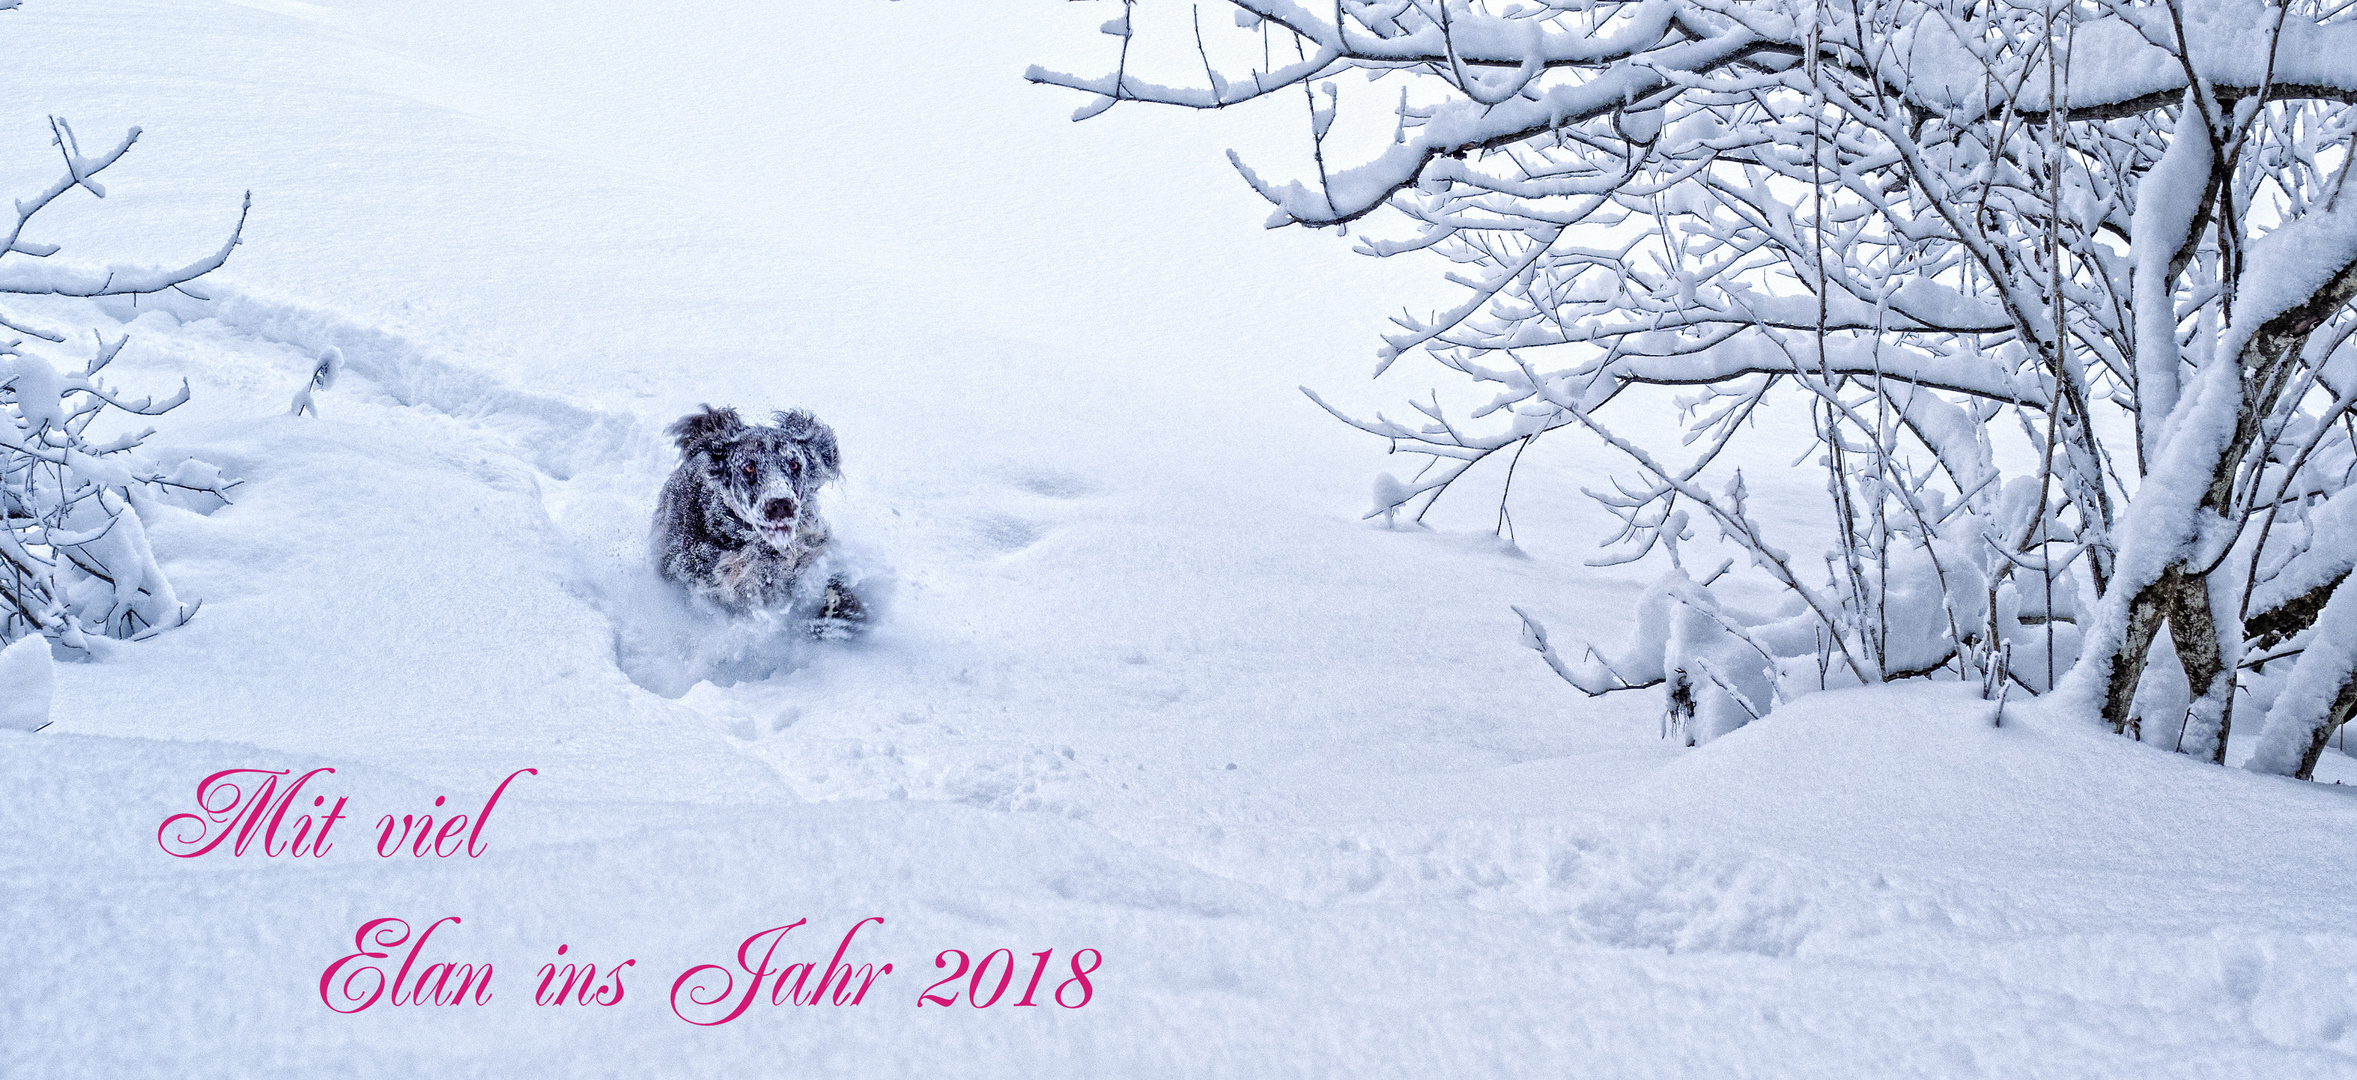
75, 564
1949, 229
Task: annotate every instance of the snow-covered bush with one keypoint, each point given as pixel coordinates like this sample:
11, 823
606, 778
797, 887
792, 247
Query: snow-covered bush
2103, 237
75, 565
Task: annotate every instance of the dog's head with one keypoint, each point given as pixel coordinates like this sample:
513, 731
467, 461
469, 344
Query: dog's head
767, 475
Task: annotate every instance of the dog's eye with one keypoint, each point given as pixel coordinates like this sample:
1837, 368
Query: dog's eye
751, 470
794, 466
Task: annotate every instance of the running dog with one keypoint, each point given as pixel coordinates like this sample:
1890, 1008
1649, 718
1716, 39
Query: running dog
738, 521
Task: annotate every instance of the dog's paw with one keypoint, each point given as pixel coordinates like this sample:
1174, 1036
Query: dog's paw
836, 629
840, 613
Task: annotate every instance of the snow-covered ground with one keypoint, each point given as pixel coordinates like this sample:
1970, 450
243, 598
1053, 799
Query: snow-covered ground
1146, 683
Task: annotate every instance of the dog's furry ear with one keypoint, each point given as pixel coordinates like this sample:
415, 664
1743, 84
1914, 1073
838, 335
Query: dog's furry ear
815, 436
698, 428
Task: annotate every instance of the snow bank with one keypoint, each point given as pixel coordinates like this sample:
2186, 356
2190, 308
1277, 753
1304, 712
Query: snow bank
25, 671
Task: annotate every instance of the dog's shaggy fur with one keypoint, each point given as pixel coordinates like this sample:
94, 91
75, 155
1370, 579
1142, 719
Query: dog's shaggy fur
738, 521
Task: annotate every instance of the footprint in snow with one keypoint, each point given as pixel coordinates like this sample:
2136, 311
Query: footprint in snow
1007, 535
1055, 485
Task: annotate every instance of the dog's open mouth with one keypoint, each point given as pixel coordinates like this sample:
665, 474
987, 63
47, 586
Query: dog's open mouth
776, 521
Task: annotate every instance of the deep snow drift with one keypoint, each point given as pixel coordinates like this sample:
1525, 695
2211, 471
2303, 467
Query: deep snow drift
1148, 685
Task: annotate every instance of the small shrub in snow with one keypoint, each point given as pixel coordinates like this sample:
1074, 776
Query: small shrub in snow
75, 564
323, 377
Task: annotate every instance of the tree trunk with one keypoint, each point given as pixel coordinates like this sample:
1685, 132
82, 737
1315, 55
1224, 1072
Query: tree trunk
2180, 601
2193, 629
2181, 597
2146, 610
2318, 698
2342, 708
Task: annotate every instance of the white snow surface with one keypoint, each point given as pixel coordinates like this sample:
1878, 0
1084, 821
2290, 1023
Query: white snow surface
1145, 683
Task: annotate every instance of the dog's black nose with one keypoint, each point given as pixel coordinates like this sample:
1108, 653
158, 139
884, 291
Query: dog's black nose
778, 511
